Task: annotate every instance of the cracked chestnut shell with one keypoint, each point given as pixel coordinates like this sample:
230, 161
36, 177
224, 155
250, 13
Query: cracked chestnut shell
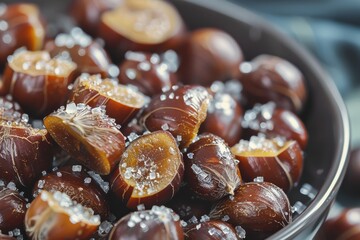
210, 168
211, 230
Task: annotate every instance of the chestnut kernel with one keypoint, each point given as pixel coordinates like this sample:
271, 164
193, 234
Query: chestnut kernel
88, 135
210, 168
180, 111
48, 211
157, 223
277, 161
212, 230
258, 207
150, 170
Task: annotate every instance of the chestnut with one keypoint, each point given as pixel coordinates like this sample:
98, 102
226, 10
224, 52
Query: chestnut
21, 26
88, 54
25, 151
48, 211
258, 207
121, 102
142, 26
269, 78
275, 160
37, 82
9, 109
12, 210
88, 135
208, 55
150, 170
224, 118
274, 122
147, 72
181, 110
159, 223
6, 237
78, 185
212, 230
210, 168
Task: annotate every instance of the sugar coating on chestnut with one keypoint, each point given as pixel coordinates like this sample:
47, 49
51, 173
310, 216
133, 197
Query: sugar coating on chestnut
210, 168
150, 73
258, 207
120, 101
21, 26
88, 54
274, 122
150, 170
159, 223
12, 210
181, 110
9, 109
49, 210
270, 78
88, 135
275, 160
46, 77
213, 230
208, 55
223, 118
78, 185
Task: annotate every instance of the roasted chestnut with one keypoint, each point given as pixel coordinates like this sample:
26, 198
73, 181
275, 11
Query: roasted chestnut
159, 223
213, 230
150, 170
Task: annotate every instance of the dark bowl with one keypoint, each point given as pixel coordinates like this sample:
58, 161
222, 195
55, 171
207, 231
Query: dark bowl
325, 117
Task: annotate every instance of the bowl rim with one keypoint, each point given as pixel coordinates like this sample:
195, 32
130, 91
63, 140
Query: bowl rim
333, 180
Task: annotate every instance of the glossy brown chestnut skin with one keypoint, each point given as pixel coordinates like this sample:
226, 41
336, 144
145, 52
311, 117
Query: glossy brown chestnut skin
88, 135
21, 26
48, 211
223, 118
180, 111
6, 237
121, 102
159, 223
352, 177
210, 168
150, 171
142, 26
279, 162
78, 185
25, 152
88, 54
37, 82
87, 13
270, 78
208, 55
345, 226
258, 207
147, 72
211, 230
12, 210
274, 122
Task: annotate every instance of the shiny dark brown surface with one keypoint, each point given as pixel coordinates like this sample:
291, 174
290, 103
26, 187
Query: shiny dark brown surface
211, 230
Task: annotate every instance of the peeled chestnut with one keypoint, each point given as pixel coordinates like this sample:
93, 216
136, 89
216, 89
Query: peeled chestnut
48, 211
150, 170
12, 210
159, 223
147, 72
276, 161
121, 102
20, 26
261, 208
210, 168
224, 118
78, 185
38, 82
88, 54
88, 135
212, 230
144, 26
270, 78
208, 55
180, 111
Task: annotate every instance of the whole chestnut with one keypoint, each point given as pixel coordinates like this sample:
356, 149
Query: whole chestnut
212, 230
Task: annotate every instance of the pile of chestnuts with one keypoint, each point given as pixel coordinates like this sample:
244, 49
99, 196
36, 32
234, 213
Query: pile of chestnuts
131, 126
